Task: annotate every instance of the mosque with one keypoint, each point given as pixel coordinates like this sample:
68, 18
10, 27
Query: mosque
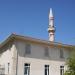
23, 55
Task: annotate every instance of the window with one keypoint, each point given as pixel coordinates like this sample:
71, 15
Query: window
2, 70
46, 52
46, 69
0, 55
61, 70
61, 53
28, 49
26, 69
8, 67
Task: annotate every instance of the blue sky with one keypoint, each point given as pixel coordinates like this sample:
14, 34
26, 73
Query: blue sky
30, 18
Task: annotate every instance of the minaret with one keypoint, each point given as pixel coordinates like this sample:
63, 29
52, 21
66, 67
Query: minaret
51, 28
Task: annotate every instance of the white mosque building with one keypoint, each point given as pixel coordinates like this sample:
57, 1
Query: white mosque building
23, 55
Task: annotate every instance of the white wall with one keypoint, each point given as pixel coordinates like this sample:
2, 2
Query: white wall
37, 66
37, 59
6, 57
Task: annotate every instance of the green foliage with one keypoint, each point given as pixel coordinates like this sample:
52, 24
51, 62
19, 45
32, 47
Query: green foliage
71, 64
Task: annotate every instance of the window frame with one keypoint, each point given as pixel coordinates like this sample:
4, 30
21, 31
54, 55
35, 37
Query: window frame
28, 48
26, 68
46, 52
46, 69
61, 53
61, 70
8, 68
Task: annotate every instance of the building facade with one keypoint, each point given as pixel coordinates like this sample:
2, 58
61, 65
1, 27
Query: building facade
22, 55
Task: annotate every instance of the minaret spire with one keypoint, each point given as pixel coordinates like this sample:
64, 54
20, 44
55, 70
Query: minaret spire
51, 28
50, 13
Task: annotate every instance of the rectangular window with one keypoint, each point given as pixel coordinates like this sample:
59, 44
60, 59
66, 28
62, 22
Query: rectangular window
2, 70
26, 69
27, 49
8, 67
61, 53
0, 55
61, 70
46, 52
46, 69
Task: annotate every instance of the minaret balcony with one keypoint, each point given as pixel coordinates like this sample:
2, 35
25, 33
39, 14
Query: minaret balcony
51, 29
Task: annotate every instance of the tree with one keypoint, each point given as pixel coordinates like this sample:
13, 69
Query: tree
71, 64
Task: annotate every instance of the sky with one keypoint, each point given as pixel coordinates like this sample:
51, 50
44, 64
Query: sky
30, 18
